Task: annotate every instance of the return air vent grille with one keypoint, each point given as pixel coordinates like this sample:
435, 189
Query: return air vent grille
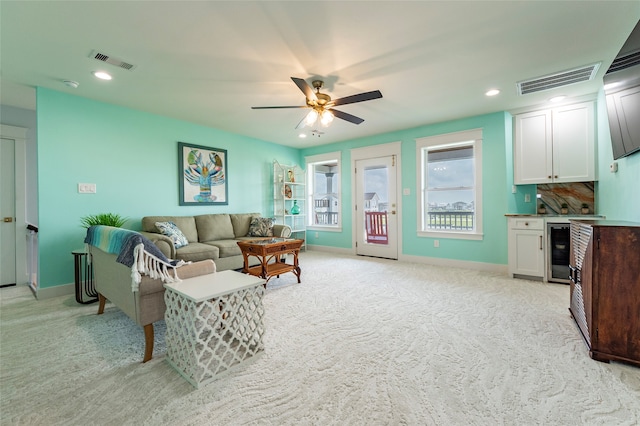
625, 61
552, 81
103, 57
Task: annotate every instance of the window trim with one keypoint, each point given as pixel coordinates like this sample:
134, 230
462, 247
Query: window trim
475, 137
310, 161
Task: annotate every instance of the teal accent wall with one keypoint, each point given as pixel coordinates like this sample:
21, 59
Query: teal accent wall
132, 157
496, 137
617, 194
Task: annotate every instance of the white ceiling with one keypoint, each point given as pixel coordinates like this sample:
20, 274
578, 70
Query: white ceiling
209, 62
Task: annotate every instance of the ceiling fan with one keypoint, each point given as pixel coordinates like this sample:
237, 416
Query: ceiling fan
322, 105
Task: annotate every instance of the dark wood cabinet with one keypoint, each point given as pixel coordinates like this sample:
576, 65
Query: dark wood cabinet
605, 288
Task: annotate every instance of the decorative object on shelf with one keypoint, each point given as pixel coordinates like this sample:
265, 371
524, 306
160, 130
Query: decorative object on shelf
203, 175
564, 208
585, 208
542, 209
289, 199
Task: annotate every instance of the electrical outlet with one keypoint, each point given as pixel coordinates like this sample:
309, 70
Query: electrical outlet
316, 235
527, 198
436, 243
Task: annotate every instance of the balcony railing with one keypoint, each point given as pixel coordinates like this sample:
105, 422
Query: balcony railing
451, 220
326, 218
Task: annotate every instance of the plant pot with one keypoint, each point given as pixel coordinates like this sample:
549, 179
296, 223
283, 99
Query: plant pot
564, 211
542, 211
585, 210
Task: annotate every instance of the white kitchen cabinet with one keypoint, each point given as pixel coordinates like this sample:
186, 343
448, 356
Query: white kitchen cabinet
526, 246
555, 145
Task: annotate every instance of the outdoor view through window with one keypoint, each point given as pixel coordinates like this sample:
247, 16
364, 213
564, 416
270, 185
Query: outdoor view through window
326, 206
450, 188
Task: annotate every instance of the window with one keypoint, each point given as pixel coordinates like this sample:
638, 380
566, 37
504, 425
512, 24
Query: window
450, 182
323, 191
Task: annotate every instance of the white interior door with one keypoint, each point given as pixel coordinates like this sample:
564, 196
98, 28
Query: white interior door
7, 213
376, 207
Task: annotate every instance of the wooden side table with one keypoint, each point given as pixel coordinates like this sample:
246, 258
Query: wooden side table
214, 322
271, 252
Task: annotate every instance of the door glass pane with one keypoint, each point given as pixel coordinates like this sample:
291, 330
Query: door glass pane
376, 204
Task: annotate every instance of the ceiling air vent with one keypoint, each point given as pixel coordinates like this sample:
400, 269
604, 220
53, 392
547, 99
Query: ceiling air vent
103, 57
625, 61
564, 78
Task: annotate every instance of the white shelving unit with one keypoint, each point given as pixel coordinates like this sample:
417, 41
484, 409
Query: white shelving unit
289, 184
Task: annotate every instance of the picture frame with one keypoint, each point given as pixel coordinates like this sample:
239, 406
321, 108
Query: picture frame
202, 172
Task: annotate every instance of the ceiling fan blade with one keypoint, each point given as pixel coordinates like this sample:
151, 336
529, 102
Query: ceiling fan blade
306, 89
301, 124
361, 97
347, 117
279, 107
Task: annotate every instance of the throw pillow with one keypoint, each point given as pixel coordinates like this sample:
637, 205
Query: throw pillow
172, 231
261, 227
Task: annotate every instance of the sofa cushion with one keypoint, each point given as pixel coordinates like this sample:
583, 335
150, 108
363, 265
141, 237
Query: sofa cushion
241, 223
227, 247
261, 227
172, 231
197, 251
214, 227
187, 225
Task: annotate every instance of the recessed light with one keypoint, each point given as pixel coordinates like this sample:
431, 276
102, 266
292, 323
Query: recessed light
102, 75
557, 98
302, 135
492, 92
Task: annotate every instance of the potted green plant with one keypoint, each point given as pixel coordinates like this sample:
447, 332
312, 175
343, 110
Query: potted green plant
564, 208
109, 219
585, 208
542, 209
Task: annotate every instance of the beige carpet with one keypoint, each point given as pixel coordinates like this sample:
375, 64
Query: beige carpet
360, 342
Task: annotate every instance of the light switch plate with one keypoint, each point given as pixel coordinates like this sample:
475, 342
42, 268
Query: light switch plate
87, 188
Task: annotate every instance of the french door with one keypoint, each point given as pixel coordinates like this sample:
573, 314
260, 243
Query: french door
376, 218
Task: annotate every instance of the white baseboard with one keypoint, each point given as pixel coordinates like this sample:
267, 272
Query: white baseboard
466, 264
329, 249
59, 290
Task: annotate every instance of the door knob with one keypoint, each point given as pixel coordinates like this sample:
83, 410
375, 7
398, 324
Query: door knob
8, 219
393, 212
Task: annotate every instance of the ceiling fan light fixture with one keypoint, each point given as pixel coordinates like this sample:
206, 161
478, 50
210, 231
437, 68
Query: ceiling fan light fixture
326, 118
311, 118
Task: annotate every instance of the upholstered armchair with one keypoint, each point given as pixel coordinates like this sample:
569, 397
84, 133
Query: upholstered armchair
142, 301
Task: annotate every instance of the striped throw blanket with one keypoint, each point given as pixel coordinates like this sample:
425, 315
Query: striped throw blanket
134, 251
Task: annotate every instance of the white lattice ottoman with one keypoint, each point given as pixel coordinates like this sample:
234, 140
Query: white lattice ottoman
214, 322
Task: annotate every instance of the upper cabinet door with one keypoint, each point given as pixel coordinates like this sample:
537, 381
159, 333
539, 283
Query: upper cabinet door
532, 153
573, 143
555, 145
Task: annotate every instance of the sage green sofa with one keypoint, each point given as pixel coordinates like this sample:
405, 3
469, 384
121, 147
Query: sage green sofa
211, 236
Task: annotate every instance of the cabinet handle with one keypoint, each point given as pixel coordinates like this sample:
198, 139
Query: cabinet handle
549, 177
540, 242
555, 177
526, 224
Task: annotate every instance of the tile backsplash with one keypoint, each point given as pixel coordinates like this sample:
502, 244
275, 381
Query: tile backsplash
574, 195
